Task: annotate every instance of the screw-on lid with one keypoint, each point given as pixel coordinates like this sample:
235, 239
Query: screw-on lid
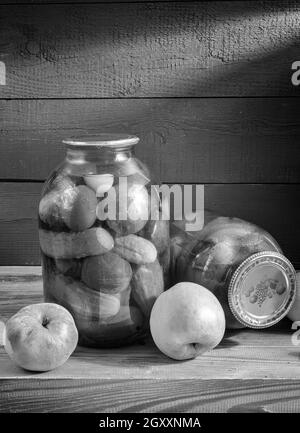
262, 289
103, 140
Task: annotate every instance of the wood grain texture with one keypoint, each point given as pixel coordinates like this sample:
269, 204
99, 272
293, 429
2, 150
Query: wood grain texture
30, 2
19, 235
19, 287
182, 140
232, 359
172, 49
207, 396
273, 207
250, 371
243, 354
46, 2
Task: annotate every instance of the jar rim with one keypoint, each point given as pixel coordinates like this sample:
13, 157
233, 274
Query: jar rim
102, 140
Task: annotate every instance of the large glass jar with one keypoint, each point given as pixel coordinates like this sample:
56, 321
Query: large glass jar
105, 248
242, 265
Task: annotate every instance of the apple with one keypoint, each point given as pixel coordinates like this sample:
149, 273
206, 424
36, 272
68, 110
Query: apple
40, 337
186, 321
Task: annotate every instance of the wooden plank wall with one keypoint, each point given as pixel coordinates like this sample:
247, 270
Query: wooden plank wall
206, 85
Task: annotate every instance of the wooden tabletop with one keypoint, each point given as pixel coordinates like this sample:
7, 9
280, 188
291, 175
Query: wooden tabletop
250, 371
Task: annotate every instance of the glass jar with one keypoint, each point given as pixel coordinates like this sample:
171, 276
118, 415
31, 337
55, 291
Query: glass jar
242, 265
104, 245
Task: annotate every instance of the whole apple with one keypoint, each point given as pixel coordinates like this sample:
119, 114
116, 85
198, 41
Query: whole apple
40, 337
186, 321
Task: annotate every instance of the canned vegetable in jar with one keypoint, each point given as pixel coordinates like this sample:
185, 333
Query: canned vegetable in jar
242, 265
103, 240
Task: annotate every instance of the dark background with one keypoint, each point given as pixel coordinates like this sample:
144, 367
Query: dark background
206, 85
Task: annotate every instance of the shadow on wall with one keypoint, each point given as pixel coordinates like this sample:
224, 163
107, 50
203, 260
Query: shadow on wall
150, 49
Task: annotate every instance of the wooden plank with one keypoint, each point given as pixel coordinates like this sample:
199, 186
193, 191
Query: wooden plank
250, 371
208, 396
243, 354
19, 235
19, 287
46, 2
150, 49
274, 207
30, 2
146, 362
20, 271
182, 140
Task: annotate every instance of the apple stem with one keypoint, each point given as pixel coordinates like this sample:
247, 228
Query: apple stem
45, 322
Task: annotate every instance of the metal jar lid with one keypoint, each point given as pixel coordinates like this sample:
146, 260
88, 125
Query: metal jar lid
102, 140
262, 289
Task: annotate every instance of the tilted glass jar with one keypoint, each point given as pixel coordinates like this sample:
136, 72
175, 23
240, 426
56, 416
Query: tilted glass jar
242, 265
105, 251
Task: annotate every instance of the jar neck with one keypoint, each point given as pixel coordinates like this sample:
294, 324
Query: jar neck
98, 154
